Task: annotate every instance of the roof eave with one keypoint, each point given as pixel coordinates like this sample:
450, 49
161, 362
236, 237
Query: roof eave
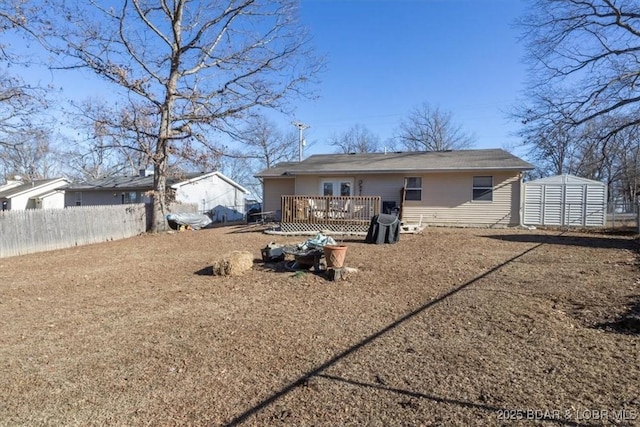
387, 171
30, 189
207, 175
193, 179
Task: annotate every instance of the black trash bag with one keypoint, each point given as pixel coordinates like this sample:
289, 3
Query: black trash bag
384, 228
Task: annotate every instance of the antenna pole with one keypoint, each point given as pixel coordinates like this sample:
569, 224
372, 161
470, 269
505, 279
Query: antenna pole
301, 126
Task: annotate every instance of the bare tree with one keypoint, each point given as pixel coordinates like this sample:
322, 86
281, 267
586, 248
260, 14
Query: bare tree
550, 140
13, 14
193, 66
21, 107
431, 129
266, 143
91, 163
31, 155
587, 51
357, 139
25, 134
111, 140
263, 146
628, 167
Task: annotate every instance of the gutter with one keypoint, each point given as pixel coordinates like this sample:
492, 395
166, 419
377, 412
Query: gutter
389, 171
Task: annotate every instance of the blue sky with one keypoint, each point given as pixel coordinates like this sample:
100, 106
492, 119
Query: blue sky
386, 57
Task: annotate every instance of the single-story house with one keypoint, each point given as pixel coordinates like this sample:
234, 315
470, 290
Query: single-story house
211, 192
465, 188
39, 194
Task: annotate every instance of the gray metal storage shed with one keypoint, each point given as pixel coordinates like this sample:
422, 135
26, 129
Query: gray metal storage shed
565, 200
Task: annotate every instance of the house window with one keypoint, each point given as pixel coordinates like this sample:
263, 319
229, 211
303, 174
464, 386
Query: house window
413, 188
482, 188
5, 205
337, 187
78, 198
129, 197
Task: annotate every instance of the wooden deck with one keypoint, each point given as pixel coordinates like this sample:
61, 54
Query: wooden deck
347, 214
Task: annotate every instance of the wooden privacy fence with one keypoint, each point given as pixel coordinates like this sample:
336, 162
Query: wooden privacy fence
37, 230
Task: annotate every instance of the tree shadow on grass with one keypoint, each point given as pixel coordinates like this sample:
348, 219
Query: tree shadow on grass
417, 395
627, 323
590, 241
319, 371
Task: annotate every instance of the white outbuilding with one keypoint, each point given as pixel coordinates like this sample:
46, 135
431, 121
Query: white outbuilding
565, 200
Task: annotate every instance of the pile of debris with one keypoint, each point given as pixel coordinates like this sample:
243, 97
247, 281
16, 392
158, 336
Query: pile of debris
311, 254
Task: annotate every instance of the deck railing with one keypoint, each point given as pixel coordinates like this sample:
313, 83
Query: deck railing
334, 210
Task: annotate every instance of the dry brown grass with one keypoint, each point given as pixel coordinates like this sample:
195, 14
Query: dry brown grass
450, 327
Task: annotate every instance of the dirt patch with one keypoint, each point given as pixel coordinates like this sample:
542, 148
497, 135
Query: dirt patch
448, 327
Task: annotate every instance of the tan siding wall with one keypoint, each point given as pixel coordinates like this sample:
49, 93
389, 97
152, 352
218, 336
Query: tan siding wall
446, 197
386, 186
273, 189
307, 186
446, 200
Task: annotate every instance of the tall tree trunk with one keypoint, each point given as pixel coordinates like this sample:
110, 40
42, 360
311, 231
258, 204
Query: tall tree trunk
160, 161
158, 222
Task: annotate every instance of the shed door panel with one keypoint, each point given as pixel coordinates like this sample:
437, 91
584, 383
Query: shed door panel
596, 204
574, 204
532, 205
552, 205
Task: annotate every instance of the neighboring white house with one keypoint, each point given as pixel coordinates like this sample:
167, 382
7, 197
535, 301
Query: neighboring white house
215, 193
40, 194
211, 192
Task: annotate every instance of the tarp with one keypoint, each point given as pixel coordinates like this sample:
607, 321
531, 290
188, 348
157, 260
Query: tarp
318, 241
310, 245
193, 220
384, 228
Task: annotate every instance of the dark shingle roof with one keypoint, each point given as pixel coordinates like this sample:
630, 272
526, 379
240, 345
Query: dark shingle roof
128, 182
417, 161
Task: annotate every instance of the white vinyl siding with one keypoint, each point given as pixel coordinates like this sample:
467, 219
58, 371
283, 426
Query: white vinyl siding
212, 194
53, 200
26, 199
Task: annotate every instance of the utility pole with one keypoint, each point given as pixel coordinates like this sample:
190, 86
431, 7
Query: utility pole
301, 127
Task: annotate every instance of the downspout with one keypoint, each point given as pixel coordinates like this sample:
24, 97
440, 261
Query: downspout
522, 202
263, 194
521, 210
